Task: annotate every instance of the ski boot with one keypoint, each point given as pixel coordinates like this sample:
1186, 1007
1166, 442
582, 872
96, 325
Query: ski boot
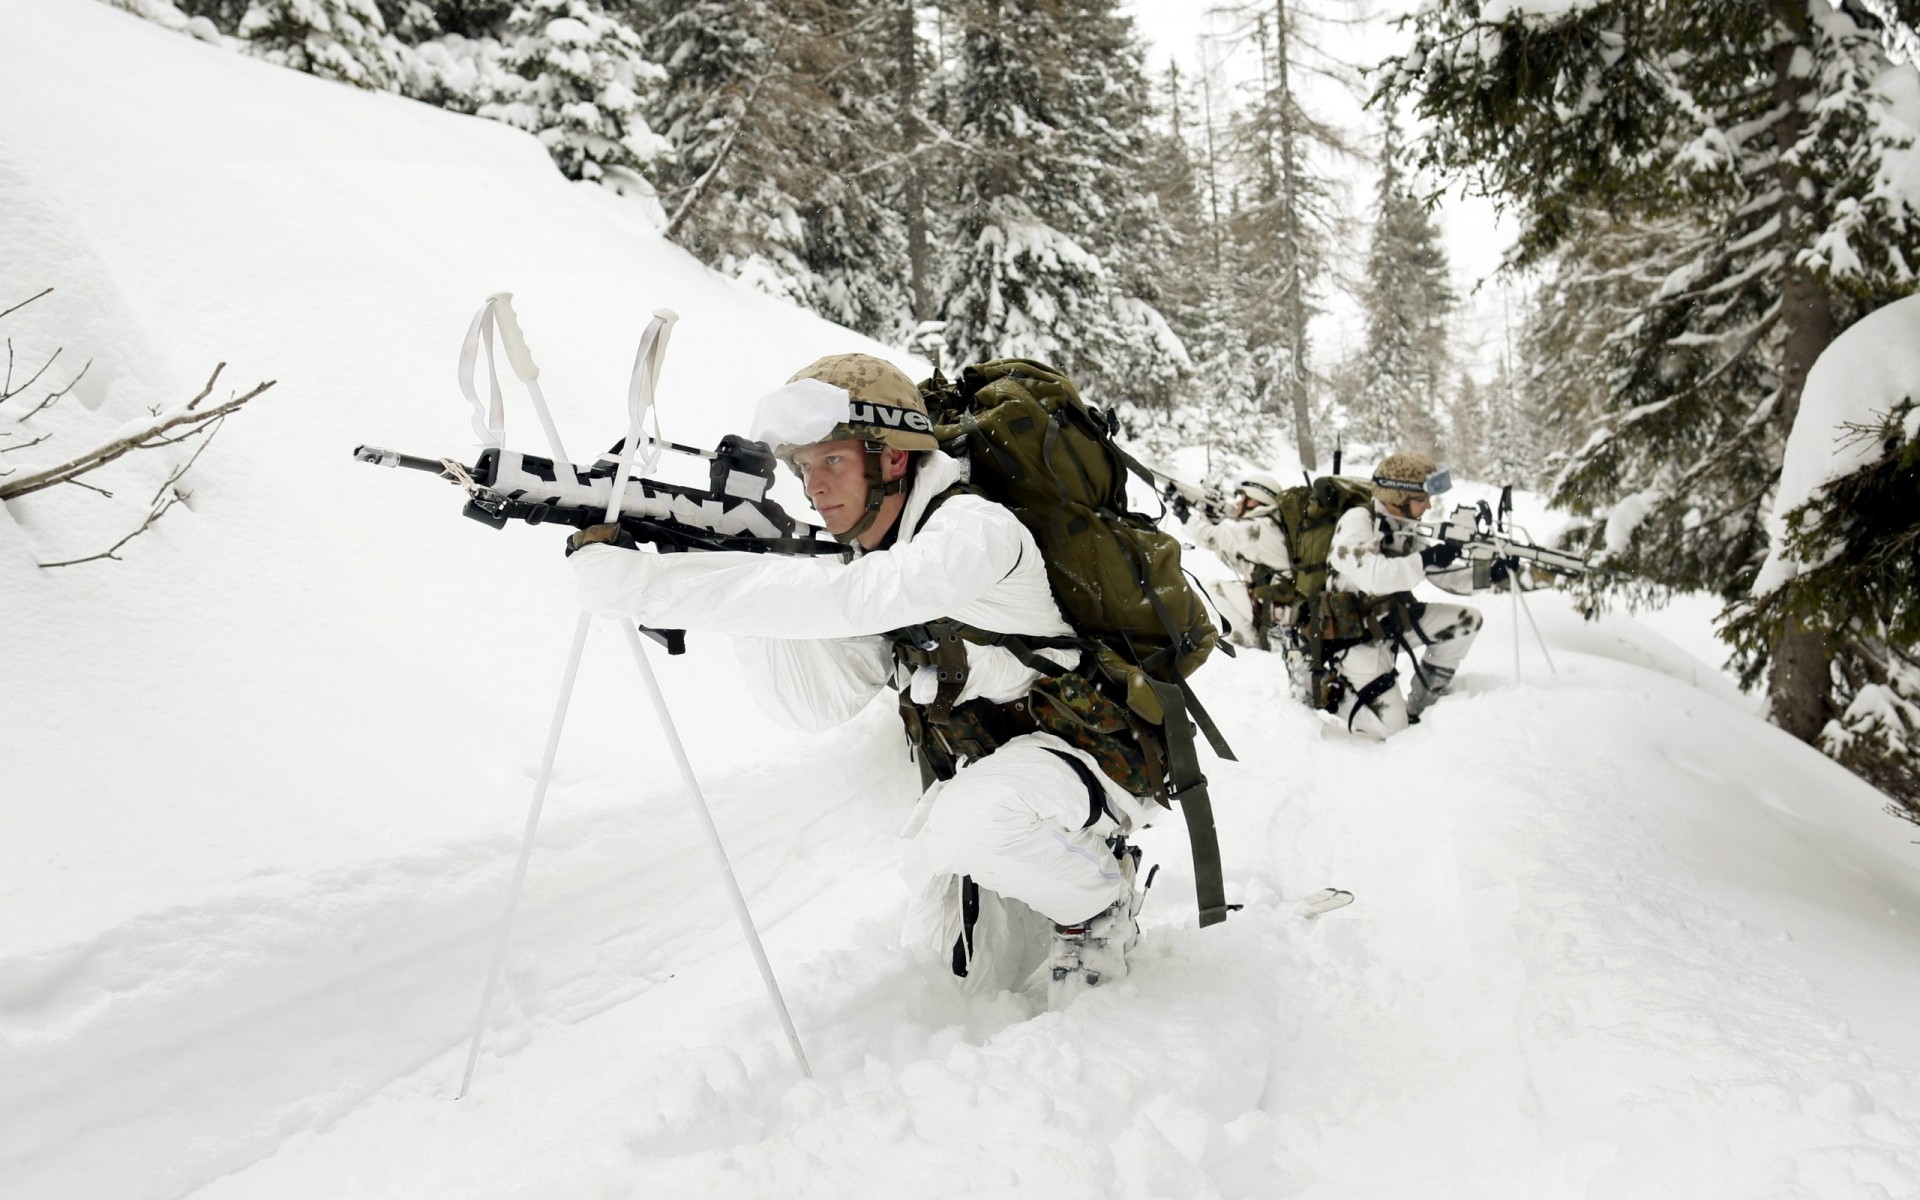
1094, 951
1429, 684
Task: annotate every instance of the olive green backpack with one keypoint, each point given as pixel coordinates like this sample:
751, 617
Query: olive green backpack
1308, 514
1032, 444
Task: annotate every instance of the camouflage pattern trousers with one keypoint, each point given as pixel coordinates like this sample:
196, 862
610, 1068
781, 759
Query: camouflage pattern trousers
1440, 637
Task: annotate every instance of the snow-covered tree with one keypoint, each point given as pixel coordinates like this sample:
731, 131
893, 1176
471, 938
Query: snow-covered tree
582, 76
1052, 219
345, 40
791, 163
1765, 128
1287, 221
1408, 299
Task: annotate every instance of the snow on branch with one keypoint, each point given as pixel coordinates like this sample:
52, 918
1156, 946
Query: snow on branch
149, 433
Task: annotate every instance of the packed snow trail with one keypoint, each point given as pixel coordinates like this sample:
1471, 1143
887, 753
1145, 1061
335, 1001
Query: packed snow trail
262, 781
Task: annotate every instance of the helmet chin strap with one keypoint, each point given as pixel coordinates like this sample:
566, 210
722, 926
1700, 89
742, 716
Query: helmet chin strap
878, 489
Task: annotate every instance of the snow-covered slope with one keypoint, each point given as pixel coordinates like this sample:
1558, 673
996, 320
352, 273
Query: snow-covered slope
260, 786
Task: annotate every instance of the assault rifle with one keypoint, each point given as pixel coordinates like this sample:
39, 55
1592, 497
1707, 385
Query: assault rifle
735, 513
1485, 536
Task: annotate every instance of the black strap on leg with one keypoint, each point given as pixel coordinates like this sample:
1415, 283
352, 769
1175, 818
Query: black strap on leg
1374, 689
969, 917
1096, 795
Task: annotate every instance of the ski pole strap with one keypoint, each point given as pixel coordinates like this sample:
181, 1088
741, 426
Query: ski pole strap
489, 419
1189, 787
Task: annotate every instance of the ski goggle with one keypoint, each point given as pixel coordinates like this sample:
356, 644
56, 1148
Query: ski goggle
1440, 480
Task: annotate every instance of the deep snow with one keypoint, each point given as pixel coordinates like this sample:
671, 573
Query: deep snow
261, 785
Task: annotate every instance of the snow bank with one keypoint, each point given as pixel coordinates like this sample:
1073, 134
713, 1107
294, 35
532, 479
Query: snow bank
1857, 381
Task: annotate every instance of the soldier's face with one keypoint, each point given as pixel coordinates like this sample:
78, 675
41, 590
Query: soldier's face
1417, 506
835, 476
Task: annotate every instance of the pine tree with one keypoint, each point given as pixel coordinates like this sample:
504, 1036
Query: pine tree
1759, 125
791, 149
582, 79
1285, 228
1408, 299
1049, 106
344, 40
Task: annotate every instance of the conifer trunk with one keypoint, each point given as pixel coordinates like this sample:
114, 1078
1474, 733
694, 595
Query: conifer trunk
906, 47
1296, 300
1800, 686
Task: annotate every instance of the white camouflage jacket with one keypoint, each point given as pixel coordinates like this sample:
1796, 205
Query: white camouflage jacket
811, 626
1244, 543
1376, 554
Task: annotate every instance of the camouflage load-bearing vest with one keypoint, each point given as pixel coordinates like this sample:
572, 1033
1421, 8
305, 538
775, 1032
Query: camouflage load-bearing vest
1032, 444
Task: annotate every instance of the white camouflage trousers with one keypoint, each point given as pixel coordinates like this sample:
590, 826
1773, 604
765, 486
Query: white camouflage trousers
1017, 823
1441, 636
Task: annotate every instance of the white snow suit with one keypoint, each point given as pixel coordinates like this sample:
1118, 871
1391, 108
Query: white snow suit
1377, 554
1245, 544
1015, 821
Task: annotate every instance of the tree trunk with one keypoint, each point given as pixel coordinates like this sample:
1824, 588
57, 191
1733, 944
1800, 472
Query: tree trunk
906, 46
1296, 287
1800, 687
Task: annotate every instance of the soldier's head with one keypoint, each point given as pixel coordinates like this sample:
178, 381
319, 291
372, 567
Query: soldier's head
1406, 481
848, 425
1255, 494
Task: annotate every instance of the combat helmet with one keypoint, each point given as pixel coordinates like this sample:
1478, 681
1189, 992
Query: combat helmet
844, 397
1407, 475
1261, 490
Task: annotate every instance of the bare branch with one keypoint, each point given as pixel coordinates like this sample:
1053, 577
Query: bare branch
153, 516
8, 395
90, 487
29, 300
101, 455
205, 391
23, 445
174, 478
52, 397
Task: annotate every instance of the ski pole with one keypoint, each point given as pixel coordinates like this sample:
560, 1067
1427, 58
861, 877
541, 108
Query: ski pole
1537, 636
499, 308
1513, 586
653, 346
526, 847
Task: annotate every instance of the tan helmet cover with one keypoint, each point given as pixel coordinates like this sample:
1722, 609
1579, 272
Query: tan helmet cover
880, 404
1402, 476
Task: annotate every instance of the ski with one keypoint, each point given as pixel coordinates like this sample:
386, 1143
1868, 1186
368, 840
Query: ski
1323, 901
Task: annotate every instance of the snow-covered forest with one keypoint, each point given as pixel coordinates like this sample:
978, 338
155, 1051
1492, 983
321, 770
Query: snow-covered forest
1707, 195
1639, 905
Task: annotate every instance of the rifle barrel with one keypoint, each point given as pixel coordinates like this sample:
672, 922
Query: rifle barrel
393, 458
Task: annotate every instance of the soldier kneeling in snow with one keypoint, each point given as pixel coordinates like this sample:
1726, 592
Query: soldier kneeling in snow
1379, 556
1249, 539
1021, 841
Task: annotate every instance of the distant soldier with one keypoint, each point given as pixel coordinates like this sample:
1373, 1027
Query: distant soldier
1247, 535
1380, 556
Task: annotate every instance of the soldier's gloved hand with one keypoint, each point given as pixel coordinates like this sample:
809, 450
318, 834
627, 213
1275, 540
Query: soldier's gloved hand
610, 533
1182, 507
1213, 505
1440, 554
1503, 569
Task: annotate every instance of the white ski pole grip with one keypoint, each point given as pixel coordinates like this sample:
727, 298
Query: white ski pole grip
512, 338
